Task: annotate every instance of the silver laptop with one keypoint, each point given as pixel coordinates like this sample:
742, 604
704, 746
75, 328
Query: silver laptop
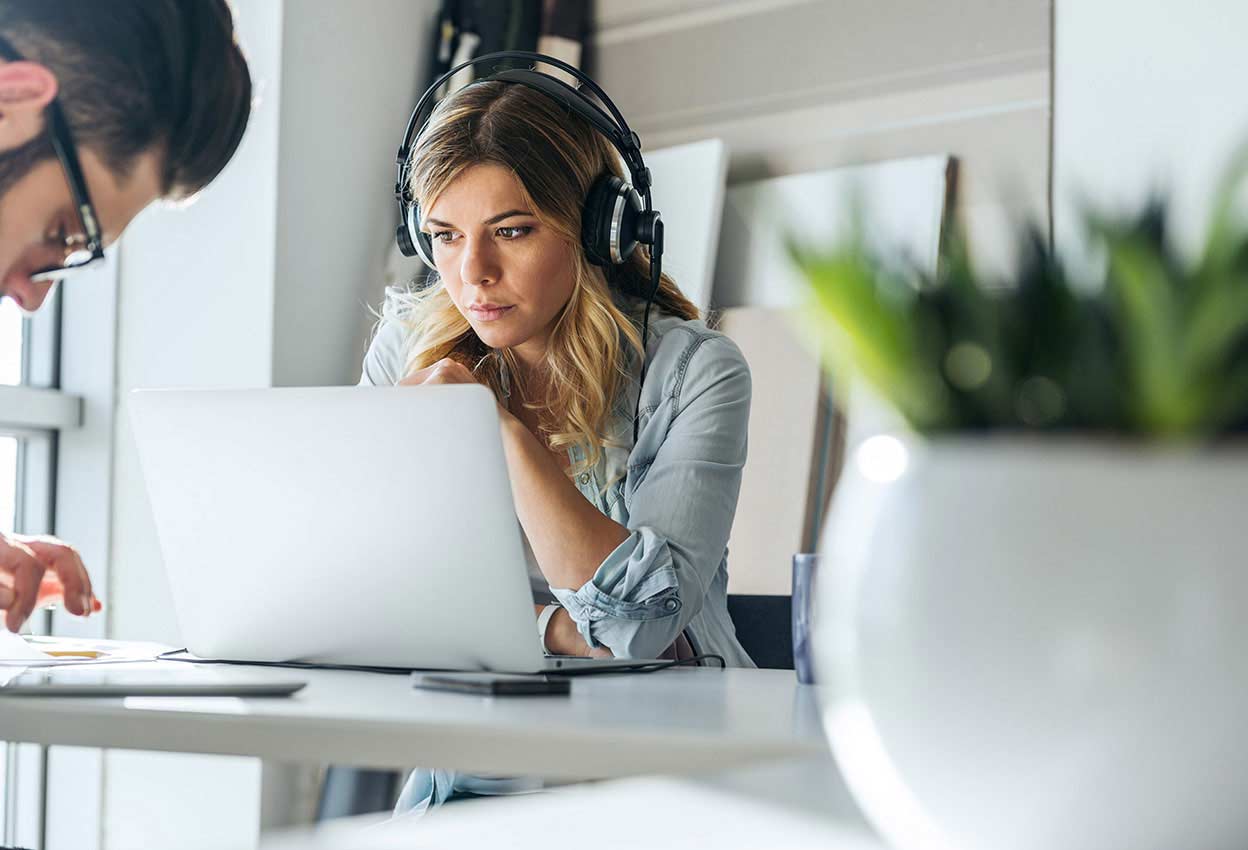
343, 525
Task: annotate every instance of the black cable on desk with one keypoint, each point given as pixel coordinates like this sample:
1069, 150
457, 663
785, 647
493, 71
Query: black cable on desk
172, 655
589, 670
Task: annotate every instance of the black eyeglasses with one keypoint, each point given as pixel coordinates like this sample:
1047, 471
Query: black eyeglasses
71, 252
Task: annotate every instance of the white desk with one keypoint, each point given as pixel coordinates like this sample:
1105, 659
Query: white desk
791, 805
677, 721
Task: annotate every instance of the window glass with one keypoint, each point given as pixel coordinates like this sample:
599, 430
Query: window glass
8, 483
11, 330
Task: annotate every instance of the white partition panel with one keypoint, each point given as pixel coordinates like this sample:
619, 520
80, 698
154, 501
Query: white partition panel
689, 192
902, 203
795, 439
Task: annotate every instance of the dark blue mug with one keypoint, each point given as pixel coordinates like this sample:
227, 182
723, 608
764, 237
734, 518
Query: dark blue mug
805, 568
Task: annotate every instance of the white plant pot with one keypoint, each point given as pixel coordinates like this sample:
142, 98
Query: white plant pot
1039, 643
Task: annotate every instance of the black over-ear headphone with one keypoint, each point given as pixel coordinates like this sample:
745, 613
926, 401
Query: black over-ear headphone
616, 217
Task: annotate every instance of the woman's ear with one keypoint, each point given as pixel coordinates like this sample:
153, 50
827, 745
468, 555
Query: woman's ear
26, 89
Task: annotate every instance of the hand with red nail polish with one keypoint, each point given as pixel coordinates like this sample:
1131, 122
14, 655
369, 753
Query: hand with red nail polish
36, 571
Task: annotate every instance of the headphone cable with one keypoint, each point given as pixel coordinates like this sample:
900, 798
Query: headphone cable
656, 277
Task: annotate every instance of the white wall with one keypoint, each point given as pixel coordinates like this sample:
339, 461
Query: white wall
357, 67
262, 281
796, 86
195, 309
1149, 96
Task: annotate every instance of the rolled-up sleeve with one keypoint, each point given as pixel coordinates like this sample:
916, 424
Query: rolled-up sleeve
680, 512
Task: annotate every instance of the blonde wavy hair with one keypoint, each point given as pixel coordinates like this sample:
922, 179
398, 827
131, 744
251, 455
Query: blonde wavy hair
557, 156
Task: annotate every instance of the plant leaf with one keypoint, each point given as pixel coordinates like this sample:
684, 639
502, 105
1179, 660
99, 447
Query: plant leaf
1147, 309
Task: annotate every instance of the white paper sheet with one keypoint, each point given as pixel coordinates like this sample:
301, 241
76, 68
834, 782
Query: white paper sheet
20, 652
14, 648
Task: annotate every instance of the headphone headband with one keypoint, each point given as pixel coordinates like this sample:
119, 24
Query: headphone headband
609, 122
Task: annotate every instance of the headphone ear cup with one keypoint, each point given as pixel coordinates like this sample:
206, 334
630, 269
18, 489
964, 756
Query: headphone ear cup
609, 221
595, 219
406, 248
421, 243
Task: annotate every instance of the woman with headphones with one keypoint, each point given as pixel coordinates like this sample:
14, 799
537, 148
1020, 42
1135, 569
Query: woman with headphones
625, 487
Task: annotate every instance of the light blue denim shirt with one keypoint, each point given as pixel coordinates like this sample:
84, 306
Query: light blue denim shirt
675, 490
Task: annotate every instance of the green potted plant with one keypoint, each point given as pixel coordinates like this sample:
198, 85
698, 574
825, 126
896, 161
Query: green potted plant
1030, 629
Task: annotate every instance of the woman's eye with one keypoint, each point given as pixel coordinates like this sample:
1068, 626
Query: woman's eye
443, 235
513, 232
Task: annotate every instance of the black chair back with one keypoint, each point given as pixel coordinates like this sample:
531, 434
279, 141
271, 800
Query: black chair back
764, 628
350, 791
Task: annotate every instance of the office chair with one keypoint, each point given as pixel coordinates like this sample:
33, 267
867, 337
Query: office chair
350, 791
764, 628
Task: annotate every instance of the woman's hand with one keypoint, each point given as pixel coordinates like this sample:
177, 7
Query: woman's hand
448, 371
445, 371
39, 571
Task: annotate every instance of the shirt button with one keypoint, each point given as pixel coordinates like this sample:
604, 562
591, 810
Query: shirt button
584, 477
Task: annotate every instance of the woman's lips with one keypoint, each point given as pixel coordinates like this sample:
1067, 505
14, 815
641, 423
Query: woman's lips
490, 315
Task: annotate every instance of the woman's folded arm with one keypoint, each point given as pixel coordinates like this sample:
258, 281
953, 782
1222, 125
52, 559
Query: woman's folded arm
681, 507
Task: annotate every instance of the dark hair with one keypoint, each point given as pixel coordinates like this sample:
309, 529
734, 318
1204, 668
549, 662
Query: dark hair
139, 74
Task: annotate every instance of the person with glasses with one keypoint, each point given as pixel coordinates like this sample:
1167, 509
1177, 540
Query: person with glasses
105, 107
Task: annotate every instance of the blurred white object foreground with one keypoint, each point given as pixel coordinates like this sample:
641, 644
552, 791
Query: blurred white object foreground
1039, 643
792, 805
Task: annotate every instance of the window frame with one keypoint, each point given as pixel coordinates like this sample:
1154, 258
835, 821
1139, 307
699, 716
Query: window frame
64, 415
38, 404
35, 411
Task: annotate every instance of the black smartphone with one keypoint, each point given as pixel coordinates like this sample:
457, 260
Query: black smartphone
494, 684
